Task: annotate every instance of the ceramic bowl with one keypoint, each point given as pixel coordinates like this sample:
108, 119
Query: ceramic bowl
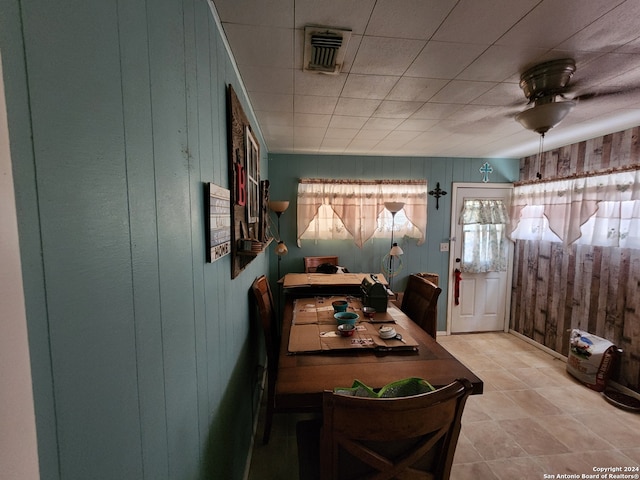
340, 305
346, 317
369, 312
346, 329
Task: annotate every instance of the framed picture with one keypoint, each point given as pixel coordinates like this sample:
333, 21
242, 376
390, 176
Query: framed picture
253, 177
248, 234
218, 222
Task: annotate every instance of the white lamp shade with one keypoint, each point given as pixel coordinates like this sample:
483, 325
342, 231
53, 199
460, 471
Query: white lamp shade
541, 118
394, 207
395, 250
281, 249
278, 206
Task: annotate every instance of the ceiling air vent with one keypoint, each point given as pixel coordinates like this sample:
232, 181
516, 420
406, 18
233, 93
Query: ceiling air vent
324, 49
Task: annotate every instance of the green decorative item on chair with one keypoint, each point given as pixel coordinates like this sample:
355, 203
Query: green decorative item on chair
406, 387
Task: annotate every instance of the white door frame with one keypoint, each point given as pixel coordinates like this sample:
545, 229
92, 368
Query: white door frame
455, 186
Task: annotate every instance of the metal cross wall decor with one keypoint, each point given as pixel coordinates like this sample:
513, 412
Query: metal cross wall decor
485, 170
437, 192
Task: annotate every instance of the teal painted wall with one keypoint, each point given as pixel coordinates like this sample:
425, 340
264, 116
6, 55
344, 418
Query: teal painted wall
285, 170
143, 356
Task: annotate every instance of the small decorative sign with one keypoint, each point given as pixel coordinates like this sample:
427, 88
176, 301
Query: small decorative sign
219, 222
485, 170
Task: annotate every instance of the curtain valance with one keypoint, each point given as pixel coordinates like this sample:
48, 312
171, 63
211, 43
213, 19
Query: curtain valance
569, 204
358, 203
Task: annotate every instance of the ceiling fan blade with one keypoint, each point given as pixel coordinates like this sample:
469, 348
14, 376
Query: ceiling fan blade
599, 93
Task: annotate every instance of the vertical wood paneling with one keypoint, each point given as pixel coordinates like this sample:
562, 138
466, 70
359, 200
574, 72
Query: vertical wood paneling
139, 350
592, 288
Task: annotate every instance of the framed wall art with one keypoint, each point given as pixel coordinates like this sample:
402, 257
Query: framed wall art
218, 230
248, 193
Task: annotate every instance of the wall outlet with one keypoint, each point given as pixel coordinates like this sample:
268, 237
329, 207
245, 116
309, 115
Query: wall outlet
444, 247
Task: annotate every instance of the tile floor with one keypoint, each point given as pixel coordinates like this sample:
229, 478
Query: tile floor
533, 421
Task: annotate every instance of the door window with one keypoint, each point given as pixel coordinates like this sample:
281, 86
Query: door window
484, 241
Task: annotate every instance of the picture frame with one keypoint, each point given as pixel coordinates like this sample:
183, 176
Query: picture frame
218, 221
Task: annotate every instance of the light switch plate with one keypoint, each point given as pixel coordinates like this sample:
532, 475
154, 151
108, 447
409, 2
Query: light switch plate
444, 247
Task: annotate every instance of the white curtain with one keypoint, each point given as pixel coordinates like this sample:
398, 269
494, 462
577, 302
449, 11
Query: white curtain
484, 241
599, 210
358, 204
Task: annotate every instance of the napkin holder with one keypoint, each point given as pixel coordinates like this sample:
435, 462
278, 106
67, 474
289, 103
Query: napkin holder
374, 293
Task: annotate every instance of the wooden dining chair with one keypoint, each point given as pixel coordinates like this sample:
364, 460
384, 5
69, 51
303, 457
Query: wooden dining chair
385, 438
420, 303
311, 263
266, 311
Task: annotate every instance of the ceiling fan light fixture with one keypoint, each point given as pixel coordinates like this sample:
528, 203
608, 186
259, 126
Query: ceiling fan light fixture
543, 117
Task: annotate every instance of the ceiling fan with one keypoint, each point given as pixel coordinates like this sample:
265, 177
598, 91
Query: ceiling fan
546, 86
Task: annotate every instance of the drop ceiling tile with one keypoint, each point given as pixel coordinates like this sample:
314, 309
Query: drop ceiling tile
385, 56
350, 54
349, 133
435, 111
395, 109
500, 62
261, 46
309, 132
277, 131
461, 91
278, 13
344, 121
314, 104
357, 107
275, 118
607, 67
268, 79
443, 59
371, 134
631, 47
416, 19
335, 143
415, 125
307, 144
502, 94
306, 83
481, 22
352, 14
401, 136
416, 89
600, 36
368, 86
473, 113
311, 120
272, 102
382, 123
553, 22
362, 146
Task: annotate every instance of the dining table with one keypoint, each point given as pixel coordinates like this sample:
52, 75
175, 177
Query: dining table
313, 357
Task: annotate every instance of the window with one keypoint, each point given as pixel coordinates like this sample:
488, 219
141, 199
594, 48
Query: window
353, 209
484, 241
601, 210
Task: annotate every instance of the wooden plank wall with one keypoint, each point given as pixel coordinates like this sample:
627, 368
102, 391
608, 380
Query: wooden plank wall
596, 289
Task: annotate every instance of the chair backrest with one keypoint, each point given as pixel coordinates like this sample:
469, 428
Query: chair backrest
311, 263
408, 437
264, 300
420, 302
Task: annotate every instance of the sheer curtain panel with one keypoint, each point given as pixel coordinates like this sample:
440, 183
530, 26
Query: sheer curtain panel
599, 210
355, 205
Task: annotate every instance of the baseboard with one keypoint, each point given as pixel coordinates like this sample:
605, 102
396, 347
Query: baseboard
538, 345
615, 385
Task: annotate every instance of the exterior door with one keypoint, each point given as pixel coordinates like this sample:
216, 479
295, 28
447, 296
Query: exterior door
478, 302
